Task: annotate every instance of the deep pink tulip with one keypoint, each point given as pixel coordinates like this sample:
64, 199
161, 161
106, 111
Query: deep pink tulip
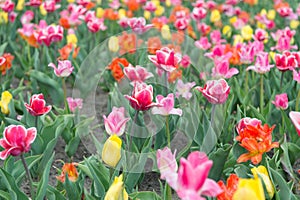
182, 20
7, 6
16, 140
50, 5
183, 89
95, 24
260, 35
138, 25
281, 101
284, 11
295, 117
215, 37
198, 13
285, 61
34, 3
63, 69
165, 59
261, 64
215, 91
221, 70
48, 34
115, 122
12, 16
74, 103
244, 122
142, 97
137, 73
193, 181
203, 43
186, 61
167, 165
167, 107
150, 6
37, 105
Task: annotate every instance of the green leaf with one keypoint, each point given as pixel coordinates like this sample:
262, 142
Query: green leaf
2, 48
72, 146
51, 191
5, 195
72, 191
145, 195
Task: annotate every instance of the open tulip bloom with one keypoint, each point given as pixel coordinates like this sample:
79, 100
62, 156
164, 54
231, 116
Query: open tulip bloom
37, 105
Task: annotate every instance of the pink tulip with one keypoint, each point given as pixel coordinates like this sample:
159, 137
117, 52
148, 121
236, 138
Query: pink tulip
64, 68
285, 61
215, 91
165, 59
34, 3
89, 15
262, 63
218, 54
186, 61
182, 20
198, 13
48, 34
137, 73
281, 101
51, 6
167, 107
115, 122
296, 76
184, 89
95, 24
37, 105
244, 122
247, 53
16, 140
193, 181
150, 6
295, 117
221, 70
138, 25
27, 17
115, 4
142, 96
12, 16
167, 165
284, 11
74, 103
8, 6
215, 37
203, 43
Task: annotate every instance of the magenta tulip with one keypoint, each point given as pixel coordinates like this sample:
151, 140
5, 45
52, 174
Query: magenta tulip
115, 122
167, 107
286, 61
37, 105
281, 101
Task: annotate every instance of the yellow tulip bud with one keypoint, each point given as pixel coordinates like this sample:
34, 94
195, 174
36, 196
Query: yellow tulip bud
249, 189
71, 38
165, 32
237, 39
111, 152
117, 191
260, 25
227, 31
6, 97
247, 32
232, 20
263, 12
71, 1
43, 10
168, 3
215, 16
99, 12
156, 2
20, 5
159, 11
3, 17
122, 13
272, 55
294, 24
147, 14
113, 44
262, 172
271, 14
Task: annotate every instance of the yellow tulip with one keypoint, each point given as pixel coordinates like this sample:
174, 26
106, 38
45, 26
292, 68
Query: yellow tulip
5, 100
113, 44
43, 10
247, 32
271, 14
99, 12
249, 189
260, 25
3, 17
263, 12
215, 16
71, 1
232, 20
237, 39
20, 5
122, 13
262, 172
159, 10
294, 24
72, 39
116, 189
227, 31
147, 14
111, 152
168, 3
165, 32
156, 2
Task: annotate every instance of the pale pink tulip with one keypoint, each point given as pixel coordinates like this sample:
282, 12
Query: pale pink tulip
138, 25
115, 4
137, 73
167, 107
27, 17
244, 122
74, 103
64, 68
115, 122
221, 70
165, 59
215, 37
203, 43
281, 101
184, 89
295, 117
262, 63
296, 76
150, 6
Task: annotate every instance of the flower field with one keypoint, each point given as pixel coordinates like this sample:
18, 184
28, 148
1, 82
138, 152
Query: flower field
205, 94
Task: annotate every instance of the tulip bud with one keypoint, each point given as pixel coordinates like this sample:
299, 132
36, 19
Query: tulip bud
5, 100
111, 152
116, 191
262, 172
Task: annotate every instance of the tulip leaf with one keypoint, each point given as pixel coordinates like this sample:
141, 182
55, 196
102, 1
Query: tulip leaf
43, 184
72, 146
5, 195
285, 160
71, 189
53, 194
2, 48
145, 195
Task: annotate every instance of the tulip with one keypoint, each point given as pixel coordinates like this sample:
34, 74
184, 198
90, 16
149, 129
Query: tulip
137, 73
215, 91
117, 191
138, 25
111, 152
113, 44
37, 105
6, 97
7, 6
281, 101
50, 5
199, 13
64, 68
228, 189
221, 70
262, 63
215, 16
183, 89
295, 117
203, 43
261, 172
249, 189
70, 169
142, 96
165, 59
247, 32
167, 107
74, 103
244, 122
16, 140
115, 122
95, 24
286, 61
34, 3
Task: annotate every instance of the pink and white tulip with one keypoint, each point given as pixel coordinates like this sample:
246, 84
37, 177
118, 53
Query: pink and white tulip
285, 61
137, 73
244, 122
296, 76
74, 103
37, 105
8, 6
281, 101
138, 25
183, 89
261, 64
115, 122
63, 69
95, 24
221, 70
167, 107
50, 5
165, 59
295, 117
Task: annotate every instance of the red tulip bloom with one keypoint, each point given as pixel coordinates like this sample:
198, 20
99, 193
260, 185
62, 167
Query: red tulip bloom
37, 105
16, 140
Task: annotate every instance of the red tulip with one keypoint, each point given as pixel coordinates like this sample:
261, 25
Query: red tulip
37, 105
16, 140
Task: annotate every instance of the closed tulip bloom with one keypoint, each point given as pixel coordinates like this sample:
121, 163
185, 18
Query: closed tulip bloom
70, 169
165, 59
262, 172
137, 73
113, 44
16, 140
63, 69
111, 152
167, 107
6, 97
295, 117
37, 105
115, 122
281, 101
249, 189
117, 191
215, 91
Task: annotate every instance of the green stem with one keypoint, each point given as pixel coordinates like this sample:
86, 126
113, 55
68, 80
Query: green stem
281, 79
261, 92
65, 94
246, 82
36, 121
168, 132
169, 193
28, 175
132, 129
283, 122
297, 101
166, 81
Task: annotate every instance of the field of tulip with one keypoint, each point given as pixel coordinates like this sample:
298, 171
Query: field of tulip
202, 94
